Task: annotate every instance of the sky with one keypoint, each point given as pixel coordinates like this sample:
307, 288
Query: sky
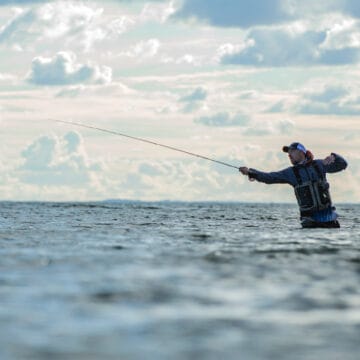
233, 80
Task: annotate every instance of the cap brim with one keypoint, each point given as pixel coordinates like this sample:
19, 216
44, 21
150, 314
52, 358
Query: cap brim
285, 149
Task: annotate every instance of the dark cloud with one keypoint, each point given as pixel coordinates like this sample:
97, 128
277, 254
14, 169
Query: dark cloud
340, 56
352, 7
249, 13
235, 13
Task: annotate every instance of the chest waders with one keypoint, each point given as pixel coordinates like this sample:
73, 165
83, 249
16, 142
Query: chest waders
312, 195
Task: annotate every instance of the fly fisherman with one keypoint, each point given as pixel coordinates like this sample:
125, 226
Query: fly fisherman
308, 177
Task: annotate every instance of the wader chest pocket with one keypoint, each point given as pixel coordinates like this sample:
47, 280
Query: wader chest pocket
313, 196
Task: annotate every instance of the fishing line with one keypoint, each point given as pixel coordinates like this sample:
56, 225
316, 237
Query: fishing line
145, 141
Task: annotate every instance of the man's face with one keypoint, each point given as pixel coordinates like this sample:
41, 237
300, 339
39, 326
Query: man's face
296, 156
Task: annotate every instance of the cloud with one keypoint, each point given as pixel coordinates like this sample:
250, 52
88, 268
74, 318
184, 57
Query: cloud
183, 179
198, 94
331, 100
144, 49
7, 77
329, 94
55, 161
73, 23
342, 33
71, 91
77, 24
224, 119
157, 12
21, 2
264, 128
276, 48
252, 127
187, 59
68, 17
28, 2
235, 13
333, 39
252, 13
62, 69
194, 100
285, 127
352, 7
229, 49
86, 91
20, 22
277, 107
283, 47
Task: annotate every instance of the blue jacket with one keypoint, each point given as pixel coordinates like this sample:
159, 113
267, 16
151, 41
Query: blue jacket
307, 172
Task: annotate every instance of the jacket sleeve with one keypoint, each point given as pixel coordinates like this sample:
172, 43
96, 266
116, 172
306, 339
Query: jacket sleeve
275, 177
338, 165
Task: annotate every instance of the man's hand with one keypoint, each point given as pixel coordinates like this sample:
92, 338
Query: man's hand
329, 160
244, 170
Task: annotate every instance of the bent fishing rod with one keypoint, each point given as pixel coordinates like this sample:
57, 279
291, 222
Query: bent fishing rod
143, 140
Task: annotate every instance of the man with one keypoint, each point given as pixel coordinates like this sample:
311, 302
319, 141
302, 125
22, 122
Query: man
308, 177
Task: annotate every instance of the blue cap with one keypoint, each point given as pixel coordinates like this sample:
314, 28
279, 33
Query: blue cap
294, 146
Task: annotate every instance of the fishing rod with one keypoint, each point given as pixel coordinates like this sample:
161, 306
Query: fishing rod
143, 140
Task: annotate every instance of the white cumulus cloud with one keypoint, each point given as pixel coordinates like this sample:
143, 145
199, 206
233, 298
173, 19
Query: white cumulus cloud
144, 49
158, 12
58, 161
62, 69
69, 22
344, 33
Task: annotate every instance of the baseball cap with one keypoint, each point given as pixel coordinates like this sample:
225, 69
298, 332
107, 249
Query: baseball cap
294, 146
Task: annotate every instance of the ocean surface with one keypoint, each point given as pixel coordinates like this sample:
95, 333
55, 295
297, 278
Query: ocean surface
135, 280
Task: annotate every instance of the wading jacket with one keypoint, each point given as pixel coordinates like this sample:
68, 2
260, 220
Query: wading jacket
314, 171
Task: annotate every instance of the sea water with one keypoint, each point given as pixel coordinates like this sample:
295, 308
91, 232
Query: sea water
135, 280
